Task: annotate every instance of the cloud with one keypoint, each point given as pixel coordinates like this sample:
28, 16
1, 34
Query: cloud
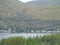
25, 0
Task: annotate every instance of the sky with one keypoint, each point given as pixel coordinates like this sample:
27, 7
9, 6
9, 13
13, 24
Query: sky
25, 0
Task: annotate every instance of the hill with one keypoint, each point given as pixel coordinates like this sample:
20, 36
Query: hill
21, 16
14, 8
44, 3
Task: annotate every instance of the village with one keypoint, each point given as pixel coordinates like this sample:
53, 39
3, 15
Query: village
28, 31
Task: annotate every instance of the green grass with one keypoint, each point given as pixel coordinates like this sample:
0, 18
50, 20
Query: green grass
46, 40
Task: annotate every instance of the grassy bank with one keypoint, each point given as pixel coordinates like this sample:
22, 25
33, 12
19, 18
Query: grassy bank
46, 40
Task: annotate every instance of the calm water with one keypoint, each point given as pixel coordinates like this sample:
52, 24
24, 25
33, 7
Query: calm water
25, 35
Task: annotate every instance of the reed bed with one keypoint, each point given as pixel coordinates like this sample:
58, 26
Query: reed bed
46, 40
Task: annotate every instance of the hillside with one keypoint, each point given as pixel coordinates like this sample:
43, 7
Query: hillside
21, 16
14, 8
50, 9
44, 3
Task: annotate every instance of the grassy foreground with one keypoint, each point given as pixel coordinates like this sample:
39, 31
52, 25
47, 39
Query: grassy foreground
46, 40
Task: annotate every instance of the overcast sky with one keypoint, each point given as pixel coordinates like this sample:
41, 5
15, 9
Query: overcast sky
25, 0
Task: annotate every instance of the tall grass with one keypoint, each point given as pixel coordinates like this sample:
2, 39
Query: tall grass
46, 40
